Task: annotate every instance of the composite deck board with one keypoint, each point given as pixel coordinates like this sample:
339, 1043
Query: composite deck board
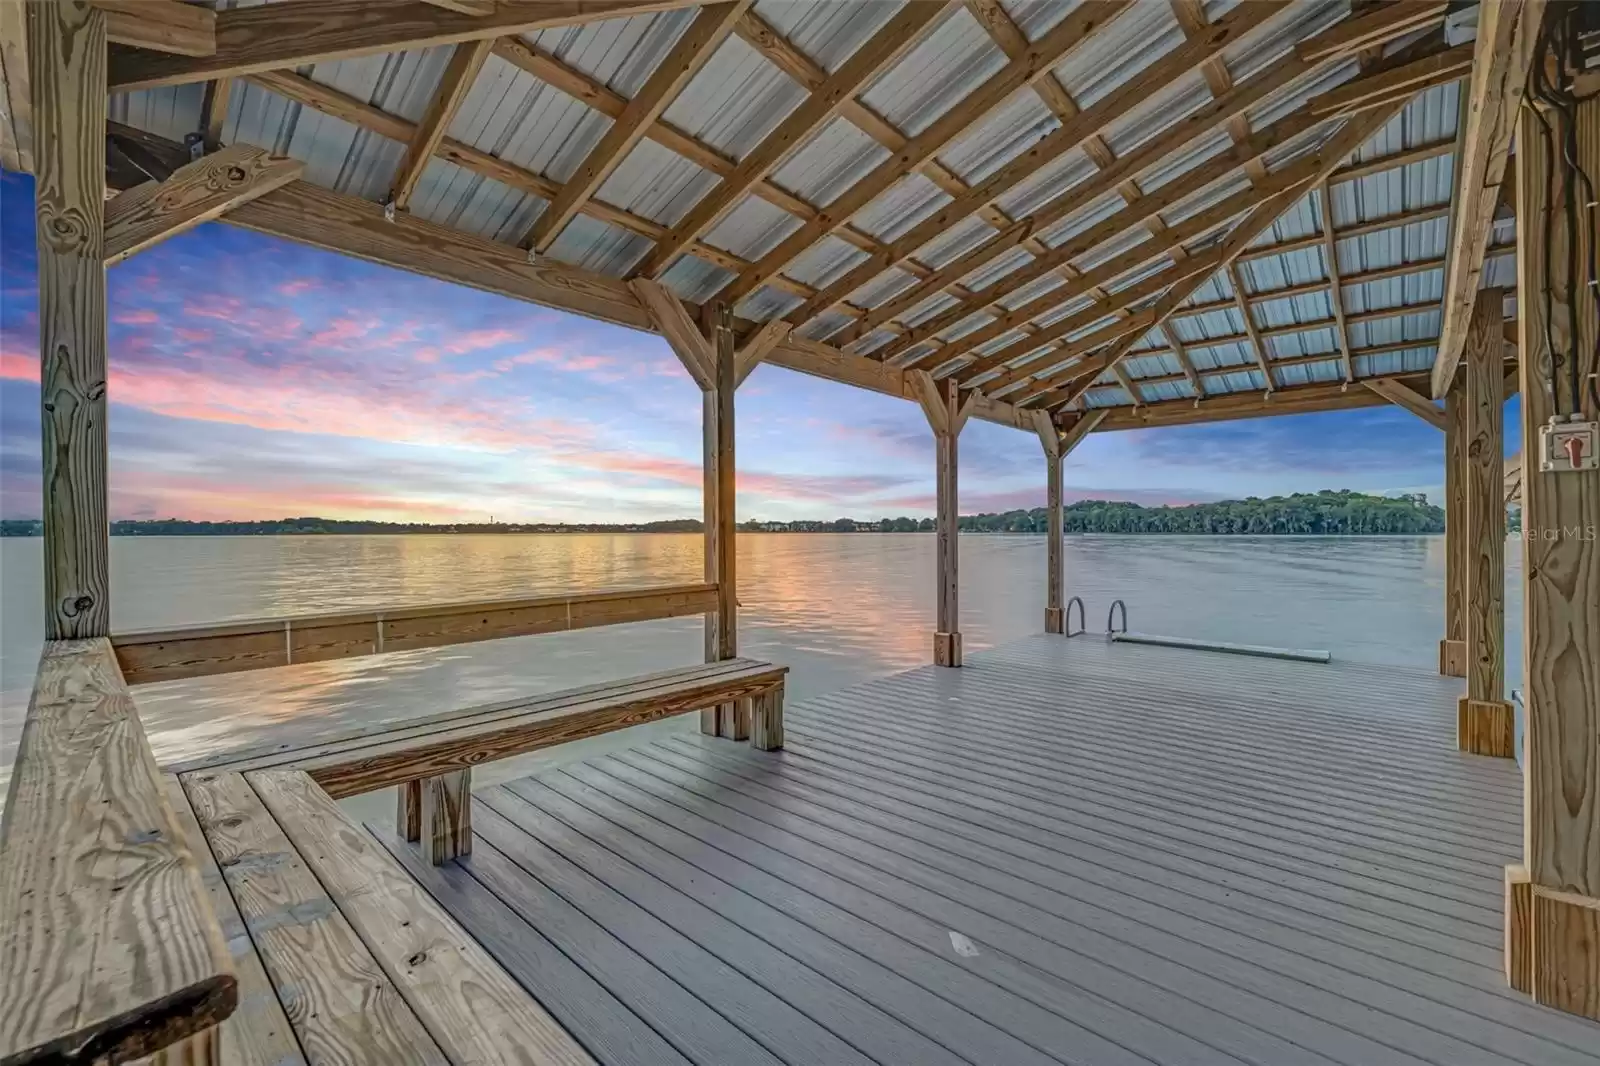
1067, 851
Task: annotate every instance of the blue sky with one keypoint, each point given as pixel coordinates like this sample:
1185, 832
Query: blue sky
254, 378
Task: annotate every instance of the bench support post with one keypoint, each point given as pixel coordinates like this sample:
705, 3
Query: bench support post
766, 719
437, 813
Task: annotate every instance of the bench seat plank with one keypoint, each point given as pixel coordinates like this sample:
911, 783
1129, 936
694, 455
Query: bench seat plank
108, 946
257, 1033
477, 1013
307, 738
343, 1006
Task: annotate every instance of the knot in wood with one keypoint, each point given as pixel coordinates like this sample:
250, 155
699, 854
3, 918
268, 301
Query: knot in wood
77, 605
418, 959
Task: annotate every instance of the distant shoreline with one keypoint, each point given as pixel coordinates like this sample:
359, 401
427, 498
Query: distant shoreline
1327, 513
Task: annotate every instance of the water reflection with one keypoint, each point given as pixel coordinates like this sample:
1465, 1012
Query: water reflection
837, 609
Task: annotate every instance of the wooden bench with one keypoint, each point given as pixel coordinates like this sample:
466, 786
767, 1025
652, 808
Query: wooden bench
341, 956
430, 760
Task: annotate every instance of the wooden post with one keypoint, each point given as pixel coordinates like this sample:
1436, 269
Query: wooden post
1561, 592
446, 816
946, 415
1053, 614
1485, 721
408, 811
1453, 648
766, 727
67, 55
731, 720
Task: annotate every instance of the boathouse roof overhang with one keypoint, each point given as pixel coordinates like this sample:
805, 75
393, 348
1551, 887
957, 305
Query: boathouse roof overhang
1166, 211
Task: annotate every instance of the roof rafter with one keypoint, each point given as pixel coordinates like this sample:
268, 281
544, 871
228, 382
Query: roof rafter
1300, 399
1356, 132
1258, 345
161, 26
278, 36
693, 50
1155, 150
887, 46
1330, 263
1507, 34
1061, 40
1191, 16
1074, 133
465, 63
1181, 354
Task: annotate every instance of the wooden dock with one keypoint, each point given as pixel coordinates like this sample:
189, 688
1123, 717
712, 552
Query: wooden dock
1067, 852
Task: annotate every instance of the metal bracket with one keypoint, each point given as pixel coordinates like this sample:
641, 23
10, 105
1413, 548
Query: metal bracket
388, 210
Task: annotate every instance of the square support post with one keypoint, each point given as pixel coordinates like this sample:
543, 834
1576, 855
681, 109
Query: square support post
722, 628
1555, 941
67, 56
1453, 647
1485, 720
1054, 616
947, 414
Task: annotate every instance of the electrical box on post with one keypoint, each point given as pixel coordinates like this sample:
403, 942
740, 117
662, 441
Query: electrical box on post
1566, 447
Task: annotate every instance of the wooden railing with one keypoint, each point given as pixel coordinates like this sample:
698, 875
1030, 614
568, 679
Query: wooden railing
109, 948
197, 651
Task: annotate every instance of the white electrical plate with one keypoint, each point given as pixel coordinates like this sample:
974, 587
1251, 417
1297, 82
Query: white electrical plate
1568, 447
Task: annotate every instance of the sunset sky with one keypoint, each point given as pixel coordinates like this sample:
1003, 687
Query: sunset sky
253, 378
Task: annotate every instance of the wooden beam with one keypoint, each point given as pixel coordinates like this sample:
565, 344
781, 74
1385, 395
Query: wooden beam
898, 36
1156, 151
214, 112
1290, 400
1079, 427
1330, 264
465, 63
730, 720
201, 191
1258, 347
479, 8
935, 404
1056, 44
679, 330
1409, 399
1077, 131
16, 104
1366, 31
1503, 55
1181, 354
692, 52
109, 949
261, 38
760, 345
1453, 645
1560, 584
67, 54
1050, 437
1356, 132
148, 656
942, 405
161, 26
1486, 720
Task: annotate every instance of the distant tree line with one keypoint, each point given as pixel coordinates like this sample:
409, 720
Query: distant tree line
1326, 512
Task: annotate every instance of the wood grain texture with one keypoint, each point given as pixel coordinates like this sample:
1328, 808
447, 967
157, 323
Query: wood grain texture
199, 651
258, 1032
202, 1049
766, 719
1408, 399
1300, 399
250, 40
202, 191
378, 762
1566, 951
722, 627
1561, 550
754, 351
1055, 546
682, 334
446, 816
947, 616
459, 74
67, 53
408, 811
475, 1011
1452, 659
108, 944
1486, 727
161, 26
16, 103
689, 55
1502, 55
1519, 929
214, 112
342, 1004
1483, 429
820, 107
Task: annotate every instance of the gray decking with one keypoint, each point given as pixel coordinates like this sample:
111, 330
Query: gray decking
1067, 851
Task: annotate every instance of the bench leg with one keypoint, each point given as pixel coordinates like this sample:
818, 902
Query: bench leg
446, 816
766, 719
408, 811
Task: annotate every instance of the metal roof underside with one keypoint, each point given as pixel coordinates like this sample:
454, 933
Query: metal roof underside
1392, 275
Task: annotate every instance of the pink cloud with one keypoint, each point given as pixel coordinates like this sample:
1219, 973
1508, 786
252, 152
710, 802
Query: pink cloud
137, 318
296, 287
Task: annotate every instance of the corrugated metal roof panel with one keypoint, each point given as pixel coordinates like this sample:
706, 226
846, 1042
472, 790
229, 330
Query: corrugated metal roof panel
752, 229
912, 199
836, 158
1013, 128
735, 100
947, 65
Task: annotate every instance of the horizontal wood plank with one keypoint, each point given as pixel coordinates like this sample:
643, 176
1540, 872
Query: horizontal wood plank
108, 943
198, 651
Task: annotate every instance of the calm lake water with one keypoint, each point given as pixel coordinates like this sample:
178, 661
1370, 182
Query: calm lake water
837, 608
